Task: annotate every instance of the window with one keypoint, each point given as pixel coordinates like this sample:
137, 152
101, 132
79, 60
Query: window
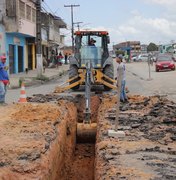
28, 12
10, 8
33, 15
22, 9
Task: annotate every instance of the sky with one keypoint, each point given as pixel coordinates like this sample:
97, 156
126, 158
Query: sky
125, 20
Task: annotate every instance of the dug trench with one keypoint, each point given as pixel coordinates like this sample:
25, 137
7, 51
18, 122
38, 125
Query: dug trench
79, 164
38, 139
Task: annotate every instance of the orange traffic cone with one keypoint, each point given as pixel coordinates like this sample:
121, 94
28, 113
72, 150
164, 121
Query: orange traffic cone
23, 97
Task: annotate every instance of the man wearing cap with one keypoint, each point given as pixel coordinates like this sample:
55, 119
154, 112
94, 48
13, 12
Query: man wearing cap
92, 42
4, 79
120, 64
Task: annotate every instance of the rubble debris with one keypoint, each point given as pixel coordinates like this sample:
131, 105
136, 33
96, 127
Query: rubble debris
143, 153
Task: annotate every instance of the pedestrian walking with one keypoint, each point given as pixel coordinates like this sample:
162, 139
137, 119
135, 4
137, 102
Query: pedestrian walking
4, 79
59, 58
120, 64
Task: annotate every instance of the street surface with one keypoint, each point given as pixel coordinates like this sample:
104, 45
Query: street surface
161, 83
13, 95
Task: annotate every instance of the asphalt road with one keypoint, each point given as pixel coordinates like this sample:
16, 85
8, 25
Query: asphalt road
162, 83
159, 83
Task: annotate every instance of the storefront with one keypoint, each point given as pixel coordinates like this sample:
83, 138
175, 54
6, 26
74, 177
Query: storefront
15, 46
21, 52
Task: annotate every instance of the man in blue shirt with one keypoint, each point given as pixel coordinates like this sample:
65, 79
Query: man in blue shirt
4, 79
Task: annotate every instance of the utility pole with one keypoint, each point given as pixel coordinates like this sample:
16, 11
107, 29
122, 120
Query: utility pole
39, 39
78, 24
72, 29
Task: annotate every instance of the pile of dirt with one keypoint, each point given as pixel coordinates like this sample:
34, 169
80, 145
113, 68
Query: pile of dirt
78, 100
33, 138
148, 151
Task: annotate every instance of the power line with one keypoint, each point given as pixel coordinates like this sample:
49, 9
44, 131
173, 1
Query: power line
72, 30
48, 7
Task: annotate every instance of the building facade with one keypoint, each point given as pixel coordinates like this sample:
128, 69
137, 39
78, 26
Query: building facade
18, 34
19, 23
132, 47
52, 39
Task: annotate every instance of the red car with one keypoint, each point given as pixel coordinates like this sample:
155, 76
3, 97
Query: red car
164, 62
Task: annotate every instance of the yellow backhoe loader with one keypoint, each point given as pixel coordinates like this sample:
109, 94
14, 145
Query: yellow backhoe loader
91, 65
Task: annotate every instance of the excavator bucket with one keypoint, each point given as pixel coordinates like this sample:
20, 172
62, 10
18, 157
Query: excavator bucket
86, 133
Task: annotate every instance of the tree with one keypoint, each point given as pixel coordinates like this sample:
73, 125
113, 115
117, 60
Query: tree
117, 52
152, 47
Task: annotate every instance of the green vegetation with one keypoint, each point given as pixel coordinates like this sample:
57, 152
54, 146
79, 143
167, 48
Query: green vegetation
152, 47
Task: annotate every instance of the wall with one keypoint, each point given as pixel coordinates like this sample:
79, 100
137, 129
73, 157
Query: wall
2, 40
2, 9
27, 27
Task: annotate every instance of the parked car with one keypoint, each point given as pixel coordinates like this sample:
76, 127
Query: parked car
164, 61
134, 58
142, 57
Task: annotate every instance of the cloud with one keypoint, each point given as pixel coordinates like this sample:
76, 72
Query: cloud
169, 3
146, 30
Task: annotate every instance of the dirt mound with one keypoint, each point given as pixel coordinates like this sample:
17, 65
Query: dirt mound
27, 133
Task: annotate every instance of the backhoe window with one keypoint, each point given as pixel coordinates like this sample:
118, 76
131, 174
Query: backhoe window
91, 53
86, 40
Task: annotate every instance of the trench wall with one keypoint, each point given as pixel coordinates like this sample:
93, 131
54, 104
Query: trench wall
22, 158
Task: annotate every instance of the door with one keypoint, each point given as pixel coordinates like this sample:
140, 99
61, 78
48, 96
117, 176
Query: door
20, 59
30, 57
12, 59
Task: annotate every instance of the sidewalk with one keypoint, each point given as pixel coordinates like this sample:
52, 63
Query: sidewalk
31, 77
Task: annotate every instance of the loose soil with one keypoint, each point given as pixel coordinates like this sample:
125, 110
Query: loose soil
148, 151
82, 163
33, 138
38, 140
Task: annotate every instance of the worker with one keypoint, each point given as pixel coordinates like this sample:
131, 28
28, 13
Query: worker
92, 42
119, 60
4, 79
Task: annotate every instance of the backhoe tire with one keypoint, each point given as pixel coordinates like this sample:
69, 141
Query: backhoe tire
108, 71
73, 72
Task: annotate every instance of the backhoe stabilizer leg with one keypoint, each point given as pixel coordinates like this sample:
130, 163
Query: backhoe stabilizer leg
101, 78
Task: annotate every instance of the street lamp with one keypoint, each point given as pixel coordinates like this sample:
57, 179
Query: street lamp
78, 24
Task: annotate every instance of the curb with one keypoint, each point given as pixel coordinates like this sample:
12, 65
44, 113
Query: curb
30, 81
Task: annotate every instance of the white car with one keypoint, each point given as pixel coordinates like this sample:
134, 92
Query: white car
134, 58
142, 57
